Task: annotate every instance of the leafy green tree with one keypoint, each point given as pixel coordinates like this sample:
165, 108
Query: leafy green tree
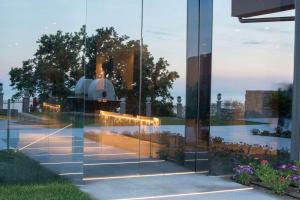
23, 79
60, 59
157, 81
58, 63
281, 104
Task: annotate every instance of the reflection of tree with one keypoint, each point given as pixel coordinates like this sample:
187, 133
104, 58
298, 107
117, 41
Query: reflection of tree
58, 64
156, 82
23, 80
54, 69
281, 104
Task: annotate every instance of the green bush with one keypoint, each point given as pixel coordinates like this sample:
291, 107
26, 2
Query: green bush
265, 173
244, 178
280, 184
272, 178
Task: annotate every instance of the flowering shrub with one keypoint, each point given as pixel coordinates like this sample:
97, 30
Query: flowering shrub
278, 179
296, 180
243, 174
265, 173
280, 184
264, 162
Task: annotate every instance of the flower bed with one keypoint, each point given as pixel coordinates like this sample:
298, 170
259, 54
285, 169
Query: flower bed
224, 156
281, 179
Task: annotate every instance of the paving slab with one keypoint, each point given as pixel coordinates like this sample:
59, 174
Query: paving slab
173, 187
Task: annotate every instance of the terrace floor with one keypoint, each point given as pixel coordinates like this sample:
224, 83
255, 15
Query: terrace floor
110, 173
173, 187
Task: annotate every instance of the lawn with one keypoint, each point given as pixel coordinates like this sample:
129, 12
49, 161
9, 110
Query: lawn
24, 179
213, 122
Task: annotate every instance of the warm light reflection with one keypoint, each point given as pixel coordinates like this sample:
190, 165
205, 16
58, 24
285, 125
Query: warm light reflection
129, 118
51, 107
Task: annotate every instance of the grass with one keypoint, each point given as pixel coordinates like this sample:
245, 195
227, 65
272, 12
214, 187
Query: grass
220, 122
23, 178
213, 122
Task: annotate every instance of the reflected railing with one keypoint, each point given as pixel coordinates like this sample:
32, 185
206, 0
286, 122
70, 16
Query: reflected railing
126, 119
44, 137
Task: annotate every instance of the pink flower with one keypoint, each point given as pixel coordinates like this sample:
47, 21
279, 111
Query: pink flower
264, 162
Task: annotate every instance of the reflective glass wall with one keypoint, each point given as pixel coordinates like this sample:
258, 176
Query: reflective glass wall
41, 57
164, 81
112, 79
135, 77
99, 89
252, 70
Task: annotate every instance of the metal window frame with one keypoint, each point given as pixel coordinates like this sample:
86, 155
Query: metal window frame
295, 140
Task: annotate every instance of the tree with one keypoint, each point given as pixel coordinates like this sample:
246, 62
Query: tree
58, 63
281, 104
157, 81
55, 68
60, 59
23, 79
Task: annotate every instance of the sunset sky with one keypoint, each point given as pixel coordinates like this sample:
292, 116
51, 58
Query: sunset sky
245, 56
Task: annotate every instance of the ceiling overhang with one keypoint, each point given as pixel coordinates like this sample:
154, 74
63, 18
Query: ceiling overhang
252, 8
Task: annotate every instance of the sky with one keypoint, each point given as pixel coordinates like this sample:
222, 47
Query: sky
245, 56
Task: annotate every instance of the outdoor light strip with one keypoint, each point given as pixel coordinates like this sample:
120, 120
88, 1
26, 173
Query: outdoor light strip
108, 154
71, 173
69, 147
45, 137
98, 164
63, 136
61, 163
193, 160
124, 163
87, 142
188, 194
193, 152
58, 154
85, 155
53, 140
141, 176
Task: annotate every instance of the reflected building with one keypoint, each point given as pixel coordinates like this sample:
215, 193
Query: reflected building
258, 104
99, 93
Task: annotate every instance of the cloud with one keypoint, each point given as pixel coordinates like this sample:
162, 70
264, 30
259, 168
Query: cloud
165, 34
160, 33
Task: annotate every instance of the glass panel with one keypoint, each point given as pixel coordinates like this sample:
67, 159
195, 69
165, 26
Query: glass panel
164, 86
112, 89
251, 87
41, 58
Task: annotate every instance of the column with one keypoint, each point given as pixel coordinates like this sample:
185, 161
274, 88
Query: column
1, 95
148, 107
198, 88
123, 105
25, 106
179, 107
295, 141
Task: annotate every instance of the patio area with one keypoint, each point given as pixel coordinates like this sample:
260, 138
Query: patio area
173, 187
110, 173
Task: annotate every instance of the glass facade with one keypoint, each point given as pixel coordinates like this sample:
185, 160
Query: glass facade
113, 88
252, 77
